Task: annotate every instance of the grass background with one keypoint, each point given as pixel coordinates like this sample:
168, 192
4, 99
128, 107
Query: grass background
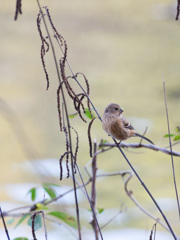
123, 48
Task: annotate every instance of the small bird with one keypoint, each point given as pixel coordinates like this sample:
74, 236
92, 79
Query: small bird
117, 126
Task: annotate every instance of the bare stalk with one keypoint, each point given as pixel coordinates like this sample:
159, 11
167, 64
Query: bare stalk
4, 224
33, 224
147, 190
94, 214
172, 160
93, 191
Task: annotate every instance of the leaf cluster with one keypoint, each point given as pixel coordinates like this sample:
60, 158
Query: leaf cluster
40, 207
176, 137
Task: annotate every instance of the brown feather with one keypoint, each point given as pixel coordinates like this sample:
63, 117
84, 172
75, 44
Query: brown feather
116, 125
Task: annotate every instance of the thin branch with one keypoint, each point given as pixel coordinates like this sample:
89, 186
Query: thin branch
65, 225
173, 144
111, 219
65, 193
146, 189
45, 202
172, 161
4, 224
119, 173
94, 214
143, 135
44, 218
130, 195
7, 213
137, 145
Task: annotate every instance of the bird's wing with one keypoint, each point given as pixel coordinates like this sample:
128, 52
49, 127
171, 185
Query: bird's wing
127, 124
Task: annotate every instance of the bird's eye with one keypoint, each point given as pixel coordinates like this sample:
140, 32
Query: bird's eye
116, 109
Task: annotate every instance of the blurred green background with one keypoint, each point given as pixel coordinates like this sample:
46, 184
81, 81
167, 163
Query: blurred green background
124, 48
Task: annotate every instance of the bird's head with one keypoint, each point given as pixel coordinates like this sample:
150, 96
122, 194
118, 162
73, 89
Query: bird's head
113, 109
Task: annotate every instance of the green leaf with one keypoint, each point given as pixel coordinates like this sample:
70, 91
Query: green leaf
178, 129
40, 206
73, 115
21, 220
37, 222
10, 221
101, 143
176, 138
100, 210
88, 114
71, 221
21, 238
50, 191
32, 191
167, 135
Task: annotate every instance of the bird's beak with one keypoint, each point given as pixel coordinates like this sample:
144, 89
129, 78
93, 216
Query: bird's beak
121, 110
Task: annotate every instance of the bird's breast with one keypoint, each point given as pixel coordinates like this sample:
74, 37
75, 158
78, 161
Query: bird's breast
114, 127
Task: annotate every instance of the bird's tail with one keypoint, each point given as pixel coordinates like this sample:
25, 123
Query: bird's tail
141, 136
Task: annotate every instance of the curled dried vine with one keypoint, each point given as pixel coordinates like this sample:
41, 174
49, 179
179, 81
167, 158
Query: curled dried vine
77, 103
18, 9
69, 89
60, 37
153, 231
87, 89
33, 228
178, 10
76, 149
58, 105
66, 154
89, 136
77, 98
67, 150
33, 224
60, 164
44, 48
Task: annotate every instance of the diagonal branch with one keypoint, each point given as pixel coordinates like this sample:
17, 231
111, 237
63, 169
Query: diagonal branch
4, 223
146, 189
172, 161
130, 195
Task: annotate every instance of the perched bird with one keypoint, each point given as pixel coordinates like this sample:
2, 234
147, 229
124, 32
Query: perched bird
117, 126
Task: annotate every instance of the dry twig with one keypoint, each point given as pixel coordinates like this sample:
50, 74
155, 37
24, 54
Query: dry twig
138, 145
